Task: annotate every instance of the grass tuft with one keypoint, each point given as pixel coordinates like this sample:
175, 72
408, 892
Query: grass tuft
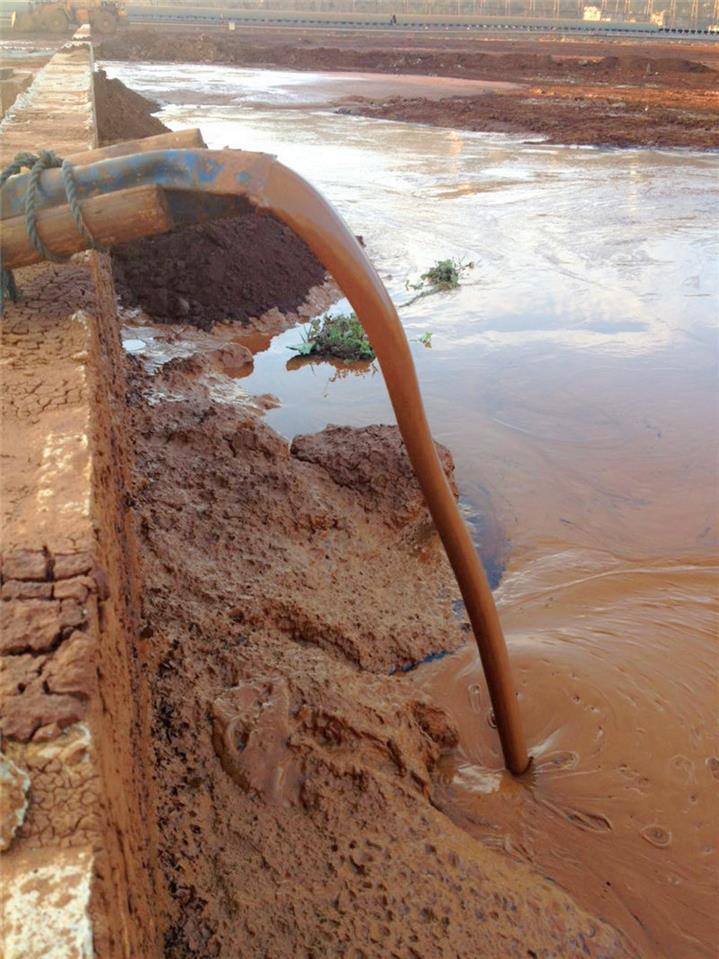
444, 275
341, 336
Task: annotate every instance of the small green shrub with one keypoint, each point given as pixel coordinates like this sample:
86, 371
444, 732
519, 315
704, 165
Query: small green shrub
444, 275
341, 336
425, 339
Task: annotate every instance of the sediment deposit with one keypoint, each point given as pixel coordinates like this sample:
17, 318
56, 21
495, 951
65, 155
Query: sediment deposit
599, 91
594, 814
294, 775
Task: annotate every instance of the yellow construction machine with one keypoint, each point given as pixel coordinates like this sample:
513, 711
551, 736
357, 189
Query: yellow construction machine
64, 16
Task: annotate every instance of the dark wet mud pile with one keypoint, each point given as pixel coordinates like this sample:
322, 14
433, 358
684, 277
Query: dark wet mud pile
563, 117
228, 270
123, 114
293, 774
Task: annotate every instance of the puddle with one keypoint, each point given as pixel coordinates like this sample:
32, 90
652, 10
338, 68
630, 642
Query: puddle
134, 346
574, 378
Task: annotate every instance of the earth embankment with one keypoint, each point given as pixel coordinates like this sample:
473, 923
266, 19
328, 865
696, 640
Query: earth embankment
602, 92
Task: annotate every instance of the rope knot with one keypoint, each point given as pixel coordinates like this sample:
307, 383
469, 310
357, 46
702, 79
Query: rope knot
44, 160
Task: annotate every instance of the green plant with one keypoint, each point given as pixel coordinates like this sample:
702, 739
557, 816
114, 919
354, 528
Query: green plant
341, 336
444, 275
426, 339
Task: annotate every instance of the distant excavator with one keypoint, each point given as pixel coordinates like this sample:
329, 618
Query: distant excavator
64, 16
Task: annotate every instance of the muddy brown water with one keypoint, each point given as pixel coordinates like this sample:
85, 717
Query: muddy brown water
574, 378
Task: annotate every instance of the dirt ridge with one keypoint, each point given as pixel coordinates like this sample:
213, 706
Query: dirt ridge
605, 93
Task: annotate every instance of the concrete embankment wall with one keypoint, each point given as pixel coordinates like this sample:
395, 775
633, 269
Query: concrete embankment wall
76, 854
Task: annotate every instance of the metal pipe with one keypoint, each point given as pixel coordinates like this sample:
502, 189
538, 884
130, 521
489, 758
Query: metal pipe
275, 189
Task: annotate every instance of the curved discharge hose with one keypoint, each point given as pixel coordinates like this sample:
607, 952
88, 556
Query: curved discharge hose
202, 184
291, 199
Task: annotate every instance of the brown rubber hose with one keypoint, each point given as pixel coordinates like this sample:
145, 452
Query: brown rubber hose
275, 189
291, 199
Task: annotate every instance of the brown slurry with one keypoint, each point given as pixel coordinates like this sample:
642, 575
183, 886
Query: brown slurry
293, 773
601, 91
620, 805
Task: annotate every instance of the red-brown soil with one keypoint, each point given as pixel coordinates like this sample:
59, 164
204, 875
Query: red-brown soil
603, 92
293, 773
566, 115
122, 113
232, 269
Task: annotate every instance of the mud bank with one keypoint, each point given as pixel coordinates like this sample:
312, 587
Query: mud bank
563, 115
615, 94
293, 773
122, 113
621, 66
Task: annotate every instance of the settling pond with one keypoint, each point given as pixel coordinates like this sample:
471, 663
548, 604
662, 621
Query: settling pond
574, 377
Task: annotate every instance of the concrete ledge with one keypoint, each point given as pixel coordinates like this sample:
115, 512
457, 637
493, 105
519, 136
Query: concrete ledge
76, 860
